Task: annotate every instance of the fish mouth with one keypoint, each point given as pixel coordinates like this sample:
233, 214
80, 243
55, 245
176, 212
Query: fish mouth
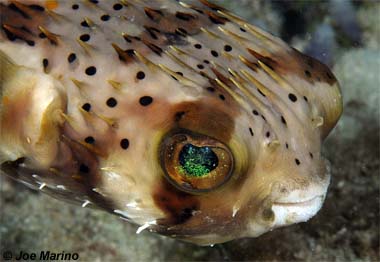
301, 203
291, 212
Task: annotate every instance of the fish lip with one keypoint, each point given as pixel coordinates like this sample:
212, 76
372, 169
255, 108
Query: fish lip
300, 203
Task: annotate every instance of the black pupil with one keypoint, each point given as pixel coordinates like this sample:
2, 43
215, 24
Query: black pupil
197, 161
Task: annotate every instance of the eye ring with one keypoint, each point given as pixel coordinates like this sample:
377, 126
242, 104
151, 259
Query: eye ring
195, 163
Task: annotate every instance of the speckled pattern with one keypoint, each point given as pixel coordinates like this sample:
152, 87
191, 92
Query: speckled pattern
345, 229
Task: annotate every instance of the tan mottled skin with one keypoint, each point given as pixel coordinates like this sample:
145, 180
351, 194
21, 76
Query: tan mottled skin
43, 126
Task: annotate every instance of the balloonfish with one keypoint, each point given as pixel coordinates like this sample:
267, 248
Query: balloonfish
177, 116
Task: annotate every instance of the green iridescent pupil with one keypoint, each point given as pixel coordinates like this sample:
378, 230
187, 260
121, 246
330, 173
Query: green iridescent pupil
197, 161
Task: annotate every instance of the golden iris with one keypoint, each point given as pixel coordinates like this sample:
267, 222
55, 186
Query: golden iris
194, 162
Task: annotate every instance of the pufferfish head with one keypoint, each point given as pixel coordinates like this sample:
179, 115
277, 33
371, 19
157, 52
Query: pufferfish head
204, 156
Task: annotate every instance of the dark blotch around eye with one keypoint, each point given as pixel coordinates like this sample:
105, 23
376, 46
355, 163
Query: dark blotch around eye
75, 7
292, 97
124, 143
145, 100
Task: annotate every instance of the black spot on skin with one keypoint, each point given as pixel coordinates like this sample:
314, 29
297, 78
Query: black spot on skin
153, 14
140, 75
94, 1
30, 42
287, 145
71, 58
84, 37
184, 16
111, 102
41, 35
36, 8
292, 97
263, 117
16, 9
311, 155
214, 53
216, 19
210, 89
84, 24
251, 131
89, 140
75, 7
151, 32
45, 62
145, 100
84, 169
156, 49
305, 98
178, 206
307, 73
117, 7
283, 120
261, 93
198, 46
91, 70
255, 112
222, 97
105, 17
267, 134
227, 48
86, 107
200, 66
206, 61
180, 73
178, 116
243, 30
297, 161
124, 143
180, 31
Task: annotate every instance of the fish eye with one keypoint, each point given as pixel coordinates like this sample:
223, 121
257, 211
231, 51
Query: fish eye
195, 163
